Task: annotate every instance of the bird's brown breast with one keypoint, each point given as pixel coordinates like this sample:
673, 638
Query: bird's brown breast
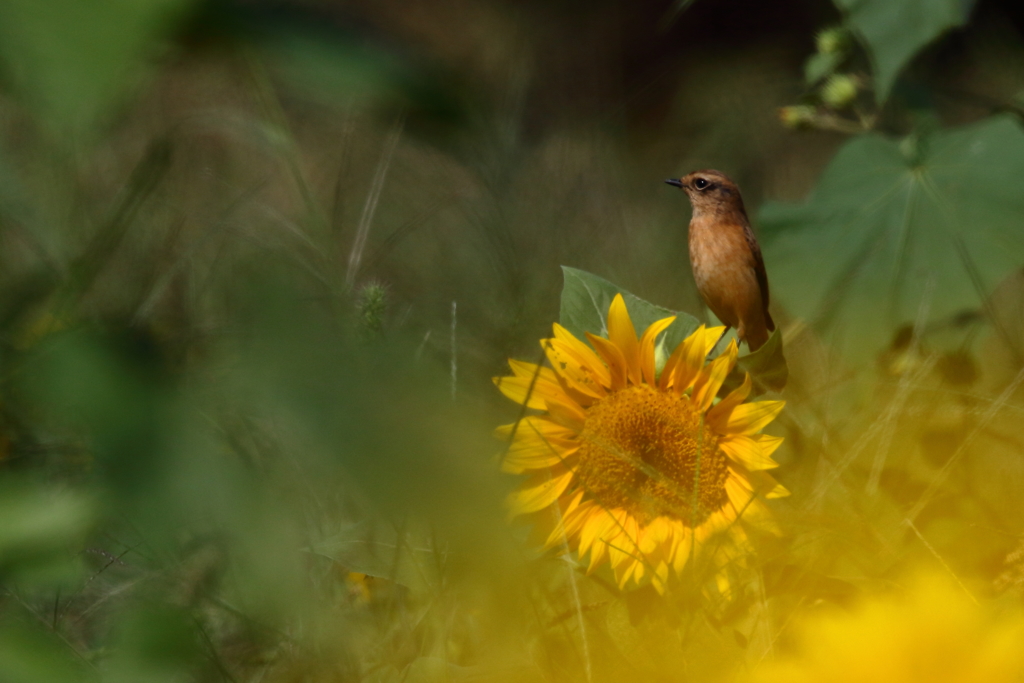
724, 269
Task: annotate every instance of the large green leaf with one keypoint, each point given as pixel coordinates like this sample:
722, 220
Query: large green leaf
894, 30
895, 228
71, 59
585, 301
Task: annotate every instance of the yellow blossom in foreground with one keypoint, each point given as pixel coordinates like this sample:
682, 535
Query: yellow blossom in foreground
932, 633
638, 468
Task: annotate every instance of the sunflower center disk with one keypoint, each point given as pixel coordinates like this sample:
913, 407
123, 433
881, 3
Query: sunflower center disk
645, 451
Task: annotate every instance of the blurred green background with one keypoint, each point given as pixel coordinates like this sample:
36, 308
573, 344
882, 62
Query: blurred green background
259, 261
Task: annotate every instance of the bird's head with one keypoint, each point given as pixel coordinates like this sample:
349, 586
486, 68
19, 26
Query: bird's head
710, 192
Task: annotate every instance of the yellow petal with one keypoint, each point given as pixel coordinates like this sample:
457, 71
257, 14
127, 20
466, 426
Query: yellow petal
750, 418
583, 354
653, 535
530, 391
690, 367
761, 482
573, 503
598, 527
769, 443
711, 337
566, 412
638, 572
541, 426
776, 489
613, 357
622, 333
683, 545
569, 526
710, 379
746, 451
623, 549
534, 454
678, 356
660, 578
520, 368
719, 413
739, 495
576, 373
597, 554
647, 342
539, 491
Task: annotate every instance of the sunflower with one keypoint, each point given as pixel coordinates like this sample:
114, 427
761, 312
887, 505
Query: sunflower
637, 467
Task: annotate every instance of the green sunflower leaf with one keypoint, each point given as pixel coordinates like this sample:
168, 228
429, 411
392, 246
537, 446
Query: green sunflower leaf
900, 229
585, 301
895, 30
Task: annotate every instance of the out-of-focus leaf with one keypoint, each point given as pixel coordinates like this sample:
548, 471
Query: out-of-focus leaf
585, 301
332, 62
820, 65
156, 643
28, 656
39, 531
896, 225
72, 59
109, 388
338, 70
894, 30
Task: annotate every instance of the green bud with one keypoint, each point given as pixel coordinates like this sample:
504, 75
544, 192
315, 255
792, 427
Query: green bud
832, 40
797, 116
839, 91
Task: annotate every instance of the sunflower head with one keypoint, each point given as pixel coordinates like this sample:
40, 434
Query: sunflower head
639, 466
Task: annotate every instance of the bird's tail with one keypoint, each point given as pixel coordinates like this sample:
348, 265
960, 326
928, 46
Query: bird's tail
756, 337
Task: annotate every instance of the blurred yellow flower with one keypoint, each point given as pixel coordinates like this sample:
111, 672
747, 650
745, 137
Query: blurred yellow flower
933, 632
636, 467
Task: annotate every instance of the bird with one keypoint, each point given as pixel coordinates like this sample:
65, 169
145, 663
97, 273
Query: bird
725, 256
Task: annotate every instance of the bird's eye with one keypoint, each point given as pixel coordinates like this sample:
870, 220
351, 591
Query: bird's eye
700, 183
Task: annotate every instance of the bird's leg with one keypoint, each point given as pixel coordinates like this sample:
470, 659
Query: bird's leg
717, 342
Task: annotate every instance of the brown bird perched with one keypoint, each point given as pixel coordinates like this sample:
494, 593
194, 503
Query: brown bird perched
726, 259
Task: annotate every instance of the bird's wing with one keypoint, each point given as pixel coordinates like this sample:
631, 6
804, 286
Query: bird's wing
759, 271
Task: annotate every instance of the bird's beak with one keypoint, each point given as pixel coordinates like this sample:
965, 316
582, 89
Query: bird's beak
675, 182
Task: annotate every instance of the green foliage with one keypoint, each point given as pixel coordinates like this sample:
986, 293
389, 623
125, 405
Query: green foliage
895, 30
821, 65
155, 642
39, 528
29, 656
71, 59
929, 222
